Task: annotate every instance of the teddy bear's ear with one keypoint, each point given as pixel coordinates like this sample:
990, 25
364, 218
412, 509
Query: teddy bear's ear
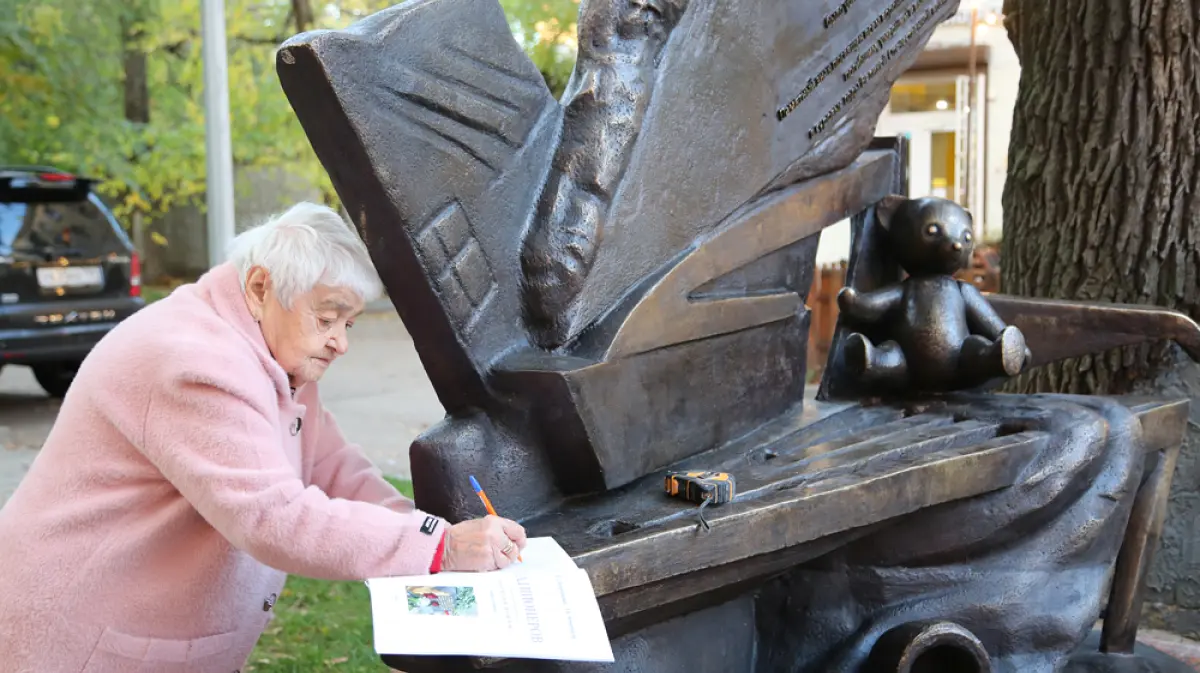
886, 208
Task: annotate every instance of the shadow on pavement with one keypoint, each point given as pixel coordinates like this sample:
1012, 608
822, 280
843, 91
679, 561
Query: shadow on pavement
26, 413
26, 416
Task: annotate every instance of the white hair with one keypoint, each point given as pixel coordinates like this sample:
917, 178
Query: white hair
303, 246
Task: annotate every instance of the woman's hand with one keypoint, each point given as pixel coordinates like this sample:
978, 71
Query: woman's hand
483, 544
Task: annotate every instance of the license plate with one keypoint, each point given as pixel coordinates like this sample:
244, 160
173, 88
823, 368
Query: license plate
70, 276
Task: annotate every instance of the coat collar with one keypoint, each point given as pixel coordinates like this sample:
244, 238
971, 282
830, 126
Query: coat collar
221, 286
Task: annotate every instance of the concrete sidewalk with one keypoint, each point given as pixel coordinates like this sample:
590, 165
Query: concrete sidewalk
1187, 651
382, 305
379, 392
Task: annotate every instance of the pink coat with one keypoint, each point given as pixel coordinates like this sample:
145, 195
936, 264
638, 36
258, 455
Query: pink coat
179, 486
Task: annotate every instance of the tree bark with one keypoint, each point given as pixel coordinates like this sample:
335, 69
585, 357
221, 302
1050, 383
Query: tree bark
1102, 204
302, 10
137, 89
1101, 200
137, 105
137, 86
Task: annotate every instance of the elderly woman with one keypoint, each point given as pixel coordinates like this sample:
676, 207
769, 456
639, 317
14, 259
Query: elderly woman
192, 467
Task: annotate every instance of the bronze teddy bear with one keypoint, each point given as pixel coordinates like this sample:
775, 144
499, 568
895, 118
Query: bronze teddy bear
937, 333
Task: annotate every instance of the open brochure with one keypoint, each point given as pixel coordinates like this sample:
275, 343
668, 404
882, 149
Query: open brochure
543, 607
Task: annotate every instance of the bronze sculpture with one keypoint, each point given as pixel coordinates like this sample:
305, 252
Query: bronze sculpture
613, 287
620, 43
941, 333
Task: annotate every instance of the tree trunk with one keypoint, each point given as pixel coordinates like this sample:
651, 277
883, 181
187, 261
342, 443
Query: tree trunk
1102, 204
302, 10
137, 89
137, 111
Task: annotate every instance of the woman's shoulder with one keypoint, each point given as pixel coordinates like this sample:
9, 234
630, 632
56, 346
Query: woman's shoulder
179, 337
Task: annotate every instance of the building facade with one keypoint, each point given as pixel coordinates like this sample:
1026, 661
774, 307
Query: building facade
952, 153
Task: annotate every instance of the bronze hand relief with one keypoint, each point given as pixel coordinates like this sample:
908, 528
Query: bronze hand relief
620, 42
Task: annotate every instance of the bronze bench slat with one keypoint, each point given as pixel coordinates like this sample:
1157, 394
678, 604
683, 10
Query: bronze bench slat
795, 515
915, 445
801, 462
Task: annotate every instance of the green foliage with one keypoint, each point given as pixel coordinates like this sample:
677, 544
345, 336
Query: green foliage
53, 93
546, 30
62, 92
62, 64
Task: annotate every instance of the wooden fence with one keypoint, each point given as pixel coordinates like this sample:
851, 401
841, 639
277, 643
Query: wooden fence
984, 273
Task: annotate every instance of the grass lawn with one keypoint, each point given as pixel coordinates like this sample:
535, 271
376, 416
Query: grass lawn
152, 293
321, 626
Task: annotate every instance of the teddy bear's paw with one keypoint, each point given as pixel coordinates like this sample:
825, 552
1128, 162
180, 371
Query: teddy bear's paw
1012, 350
846, 298
858, 353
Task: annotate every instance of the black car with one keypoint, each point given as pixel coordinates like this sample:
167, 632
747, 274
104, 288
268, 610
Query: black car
68, 272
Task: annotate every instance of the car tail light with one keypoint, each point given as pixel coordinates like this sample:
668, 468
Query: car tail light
55, 177
135, 275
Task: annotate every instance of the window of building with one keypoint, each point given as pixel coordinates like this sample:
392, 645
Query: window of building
943, 169
938, 96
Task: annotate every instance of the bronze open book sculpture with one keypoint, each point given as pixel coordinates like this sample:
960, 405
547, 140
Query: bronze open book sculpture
614, 286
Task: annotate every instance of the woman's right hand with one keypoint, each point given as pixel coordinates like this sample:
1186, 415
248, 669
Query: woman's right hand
483, 544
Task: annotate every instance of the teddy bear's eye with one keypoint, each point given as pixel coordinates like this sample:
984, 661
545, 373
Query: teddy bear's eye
967, 237
932, 229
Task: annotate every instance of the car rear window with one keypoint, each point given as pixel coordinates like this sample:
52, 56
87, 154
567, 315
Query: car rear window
61, 228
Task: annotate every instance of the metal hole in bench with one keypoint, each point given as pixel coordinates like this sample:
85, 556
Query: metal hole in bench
760, 456
1004, 429
612, 528
1013, 428
947, 658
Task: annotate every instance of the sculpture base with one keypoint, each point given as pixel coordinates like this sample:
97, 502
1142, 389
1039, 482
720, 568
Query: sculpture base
1145, 659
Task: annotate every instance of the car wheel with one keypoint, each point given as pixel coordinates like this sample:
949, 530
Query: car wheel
55, 377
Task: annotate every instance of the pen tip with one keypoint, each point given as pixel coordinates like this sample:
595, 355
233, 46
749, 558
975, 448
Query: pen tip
475, 485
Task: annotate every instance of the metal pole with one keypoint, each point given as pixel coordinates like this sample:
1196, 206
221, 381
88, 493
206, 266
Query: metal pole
972, 74
219, 151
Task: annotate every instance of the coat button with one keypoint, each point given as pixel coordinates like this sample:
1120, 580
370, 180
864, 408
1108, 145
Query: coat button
296, 426
269, 603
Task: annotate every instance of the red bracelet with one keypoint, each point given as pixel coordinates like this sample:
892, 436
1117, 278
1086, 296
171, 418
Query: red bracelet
436, 567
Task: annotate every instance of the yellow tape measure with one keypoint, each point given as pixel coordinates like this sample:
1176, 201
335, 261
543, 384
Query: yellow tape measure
701, 486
